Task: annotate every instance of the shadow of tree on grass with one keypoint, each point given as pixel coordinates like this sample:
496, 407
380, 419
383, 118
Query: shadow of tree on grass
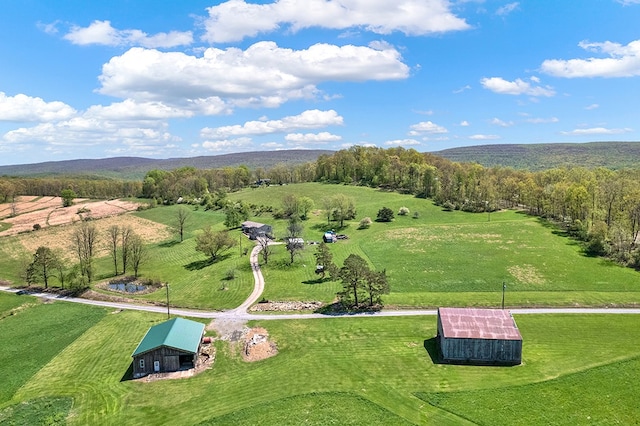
169, 244
199, 264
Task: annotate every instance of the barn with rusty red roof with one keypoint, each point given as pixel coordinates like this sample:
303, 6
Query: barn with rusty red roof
478, 336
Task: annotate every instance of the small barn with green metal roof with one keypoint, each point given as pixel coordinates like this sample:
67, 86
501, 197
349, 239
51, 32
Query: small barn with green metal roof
169, 346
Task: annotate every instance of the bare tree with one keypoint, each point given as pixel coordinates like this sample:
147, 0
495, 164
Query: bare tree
84, 242
125, 240
60, 270
265, 248
114, 237
137, 253
181, 217
293, 242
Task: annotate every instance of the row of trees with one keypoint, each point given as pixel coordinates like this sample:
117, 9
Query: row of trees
126, 248
10, 187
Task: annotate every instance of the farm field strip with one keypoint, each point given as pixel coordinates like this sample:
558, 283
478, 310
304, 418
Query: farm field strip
51, 212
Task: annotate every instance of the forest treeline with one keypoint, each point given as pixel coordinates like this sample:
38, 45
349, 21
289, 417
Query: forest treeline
598, 206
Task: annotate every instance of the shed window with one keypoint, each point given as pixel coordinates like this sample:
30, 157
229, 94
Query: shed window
142, 364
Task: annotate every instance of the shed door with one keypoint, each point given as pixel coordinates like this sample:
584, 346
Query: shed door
156, 366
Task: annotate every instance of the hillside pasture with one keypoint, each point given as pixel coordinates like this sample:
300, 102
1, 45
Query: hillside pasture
442, 258
384, 366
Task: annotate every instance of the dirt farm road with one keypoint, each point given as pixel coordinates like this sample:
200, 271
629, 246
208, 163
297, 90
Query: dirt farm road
241, 313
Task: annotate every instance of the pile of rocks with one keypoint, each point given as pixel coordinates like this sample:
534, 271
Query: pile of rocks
286, 306
257, 345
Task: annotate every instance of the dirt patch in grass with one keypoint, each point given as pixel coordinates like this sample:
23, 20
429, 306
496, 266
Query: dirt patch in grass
257, 345
59, 237
526, 274
253, 343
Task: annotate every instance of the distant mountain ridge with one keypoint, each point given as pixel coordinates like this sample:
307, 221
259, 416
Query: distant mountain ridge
136, 167
536, 157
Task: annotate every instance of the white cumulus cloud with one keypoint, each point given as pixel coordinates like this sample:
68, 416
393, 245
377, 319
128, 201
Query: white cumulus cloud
426, 127
101, 32
596, 131
497, 122
234, 20
618, 61
311, 119
516, 87
262, 75
228, 145
402, 142
481, 137
322, 137
26, 108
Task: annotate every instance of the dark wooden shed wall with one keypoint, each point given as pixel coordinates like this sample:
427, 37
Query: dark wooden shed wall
169, 360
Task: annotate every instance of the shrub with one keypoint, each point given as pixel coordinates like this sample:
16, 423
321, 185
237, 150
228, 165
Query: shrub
365, 223
403, 211
416, 215
385, 214
230, 274
36, 227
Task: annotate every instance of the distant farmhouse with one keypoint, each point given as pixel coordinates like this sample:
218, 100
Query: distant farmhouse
255, 230
169, 346
478, 336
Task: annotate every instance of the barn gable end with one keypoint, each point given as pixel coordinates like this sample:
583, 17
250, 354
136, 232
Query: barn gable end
478, 336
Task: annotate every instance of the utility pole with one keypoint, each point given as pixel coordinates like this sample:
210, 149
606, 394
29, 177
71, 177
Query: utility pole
504, 288
168, 315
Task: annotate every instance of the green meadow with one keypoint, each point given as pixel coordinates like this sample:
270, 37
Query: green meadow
577, 369
437, 258
445, 258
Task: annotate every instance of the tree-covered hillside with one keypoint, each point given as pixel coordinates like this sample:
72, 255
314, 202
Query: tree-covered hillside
535, 157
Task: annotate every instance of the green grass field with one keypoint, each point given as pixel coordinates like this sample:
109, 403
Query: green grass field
360, 370
33, 333
448, 258
437, 259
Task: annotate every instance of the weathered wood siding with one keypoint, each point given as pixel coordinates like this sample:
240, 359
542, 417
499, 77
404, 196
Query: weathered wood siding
481, 351
169, 360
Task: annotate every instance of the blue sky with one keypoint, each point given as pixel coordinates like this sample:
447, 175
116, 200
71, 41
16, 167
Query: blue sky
94, 79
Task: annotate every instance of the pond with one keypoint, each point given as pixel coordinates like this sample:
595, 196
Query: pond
127, 287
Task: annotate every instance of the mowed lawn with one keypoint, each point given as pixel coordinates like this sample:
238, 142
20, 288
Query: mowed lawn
33, 333
446, 258
380, 368
193, 280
